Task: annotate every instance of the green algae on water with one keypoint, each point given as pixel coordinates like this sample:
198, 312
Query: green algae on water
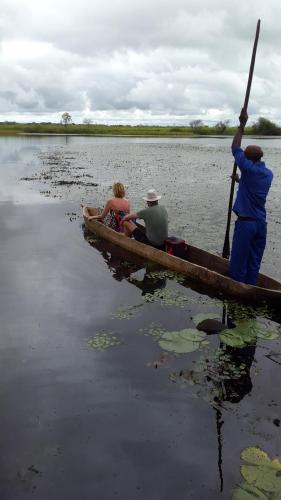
154, 330
179, 278
126, 312
103, 340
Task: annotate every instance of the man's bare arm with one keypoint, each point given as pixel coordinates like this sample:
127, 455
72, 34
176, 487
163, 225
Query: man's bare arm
129, 217
236, 143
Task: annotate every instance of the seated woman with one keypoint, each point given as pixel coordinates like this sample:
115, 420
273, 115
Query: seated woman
115, 208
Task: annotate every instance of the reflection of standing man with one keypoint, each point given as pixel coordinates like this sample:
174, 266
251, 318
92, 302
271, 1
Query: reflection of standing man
249, 236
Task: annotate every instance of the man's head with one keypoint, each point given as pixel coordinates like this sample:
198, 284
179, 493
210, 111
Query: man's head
151, 198
253, 153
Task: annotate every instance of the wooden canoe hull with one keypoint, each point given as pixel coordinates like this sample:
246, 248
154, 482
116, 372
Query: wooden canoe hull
201, 266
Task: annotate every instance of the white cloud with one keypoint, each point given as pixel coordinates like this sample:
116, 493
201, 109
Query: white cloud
137, 60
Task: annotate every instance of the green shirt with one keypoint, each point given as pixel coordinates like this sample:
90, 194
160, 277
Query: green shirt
156, 223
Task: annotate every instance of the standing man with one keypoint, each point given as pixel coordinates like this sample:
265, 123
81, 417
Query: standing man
249, 236
156, 222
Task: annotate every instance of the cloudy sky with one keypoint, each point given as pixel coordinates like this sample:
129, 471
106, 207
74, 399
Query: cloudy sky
138, 61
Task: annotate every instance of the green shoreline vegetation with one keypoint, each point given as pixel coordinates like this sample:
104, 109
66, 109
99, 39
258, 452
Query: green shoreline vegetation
195, 128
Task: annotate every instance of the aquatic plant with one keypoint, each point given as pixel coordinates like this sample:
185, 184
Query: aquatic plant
126, 313
262, 476
183, 341
246, 332
179, 278
103, 340
154, 330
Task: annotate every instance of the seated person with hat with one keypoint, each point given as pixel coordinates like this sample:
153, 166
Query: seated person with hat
155, 217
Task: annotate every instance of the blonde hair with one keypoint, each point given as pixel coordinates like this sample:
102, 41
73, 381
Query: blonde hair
118, 190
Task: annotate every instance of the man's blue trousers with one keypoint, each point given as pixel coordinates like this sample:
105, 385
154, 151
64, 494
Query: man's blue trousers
249, 239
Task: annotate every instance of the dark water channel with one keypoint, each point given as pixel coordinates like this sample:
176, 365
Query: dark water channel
94, 405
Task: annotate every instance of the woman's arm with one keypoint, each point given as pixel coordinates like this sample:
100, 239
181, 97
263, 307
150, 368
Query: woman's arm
104, 212
106, 209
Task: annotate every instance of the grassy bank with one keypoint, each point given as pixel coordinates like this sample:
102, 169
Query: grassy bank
122, 130
262, 126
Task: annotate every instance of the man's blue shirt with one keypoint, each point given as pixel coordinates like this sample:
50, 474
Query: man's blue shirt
254, 185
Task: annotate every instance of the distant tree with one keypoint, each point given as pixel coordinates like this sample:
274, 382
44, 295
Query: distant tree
265, 127
66, 118
88, 121
221, 126
194, 124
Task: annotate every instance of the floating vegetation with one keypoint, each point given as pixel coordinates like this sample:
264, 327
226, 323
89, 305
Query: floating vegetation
262, 476
154, 330
183, 341
167, 297
240, 311
103, 340
179, 278
220, 367
220, 375
126, 313
246, 332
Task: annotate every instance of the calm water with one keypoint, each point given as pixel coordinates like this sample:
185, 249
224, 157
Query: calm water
93, 405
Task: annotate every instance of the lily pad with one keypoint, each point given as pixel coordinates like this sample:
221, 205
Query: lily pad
262, 473
202, 317
255, 456
276, 496
247, 491
246, 332
232, 338
268, 335
183, 341
266, 478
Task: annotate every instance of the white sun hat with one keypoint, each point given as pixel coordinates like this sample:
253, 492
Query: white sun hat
151, 196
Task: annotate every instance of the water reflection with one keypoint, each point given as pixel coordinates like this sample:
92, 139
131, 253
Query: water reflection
120, 264
221, 375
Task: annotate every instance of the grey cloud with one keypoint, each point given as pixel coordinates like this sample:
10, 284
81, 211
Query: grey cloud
162, 58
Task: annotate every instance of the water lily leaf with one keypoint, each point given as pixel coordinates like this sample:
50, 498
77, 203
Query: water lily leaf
261, 474
192, 334
247, 491
254, 328
232, 338
264, 477
276, 464
255, 456
268, 335
276, 496
247, 329
183, 341
179, 346
244, 333
201, 317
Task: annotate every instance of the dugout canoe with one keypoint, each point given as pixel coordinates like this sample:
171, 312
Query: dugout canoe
199, 265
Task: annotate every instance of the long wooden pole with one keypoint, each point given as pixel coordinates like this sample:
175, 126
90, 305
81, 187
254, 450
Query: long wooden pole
226, 246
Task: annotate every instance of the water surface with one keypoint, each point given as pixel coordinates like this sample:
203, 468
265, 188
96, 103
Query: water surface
92, 406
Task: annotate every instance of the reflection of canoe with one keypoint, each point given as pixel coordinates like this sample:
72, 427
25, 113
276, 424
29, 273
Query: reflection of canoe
199, 265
